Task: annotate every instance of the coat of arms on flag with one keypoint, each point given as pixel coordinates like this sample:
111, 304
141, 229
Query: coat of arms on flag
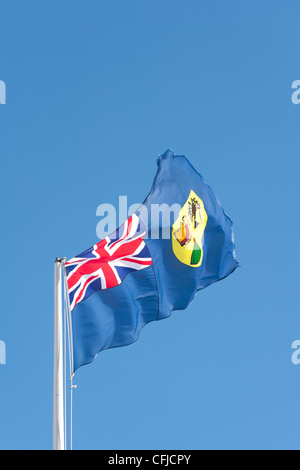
188, 231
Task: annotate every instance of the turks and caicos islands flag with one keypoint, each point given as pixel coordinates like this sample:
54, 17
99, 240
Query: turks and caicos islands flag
128, 280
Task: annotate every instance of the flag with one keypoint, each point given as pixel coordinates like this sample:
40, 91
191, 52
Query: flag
150, 266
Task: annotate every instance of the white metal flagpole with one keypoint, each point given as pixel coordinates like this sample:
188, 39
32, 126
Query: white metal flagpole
58, 373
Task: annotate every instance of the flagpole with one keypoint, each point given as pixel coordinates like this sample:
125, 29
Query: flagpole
58, 377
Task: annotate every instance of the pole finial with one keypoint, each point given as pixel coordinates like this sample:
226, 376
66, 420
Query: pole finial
60, 260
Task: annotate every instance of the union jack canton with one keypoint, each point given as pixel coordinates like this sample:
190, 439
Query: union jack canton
106, 264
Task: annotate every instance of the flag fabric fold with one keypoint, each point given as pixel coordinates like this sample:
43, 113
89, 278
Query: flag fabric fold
150, 267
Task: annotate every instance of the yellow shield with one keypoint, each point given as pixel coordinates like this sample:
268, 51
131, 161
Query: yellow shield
188, 231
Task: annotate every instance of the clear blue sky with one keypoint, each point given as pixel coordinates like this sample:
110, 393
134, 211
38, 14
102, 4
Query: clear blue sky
95, 91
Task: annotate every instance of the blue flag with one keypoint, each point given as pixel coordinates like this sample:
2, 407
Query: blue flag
179, 241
